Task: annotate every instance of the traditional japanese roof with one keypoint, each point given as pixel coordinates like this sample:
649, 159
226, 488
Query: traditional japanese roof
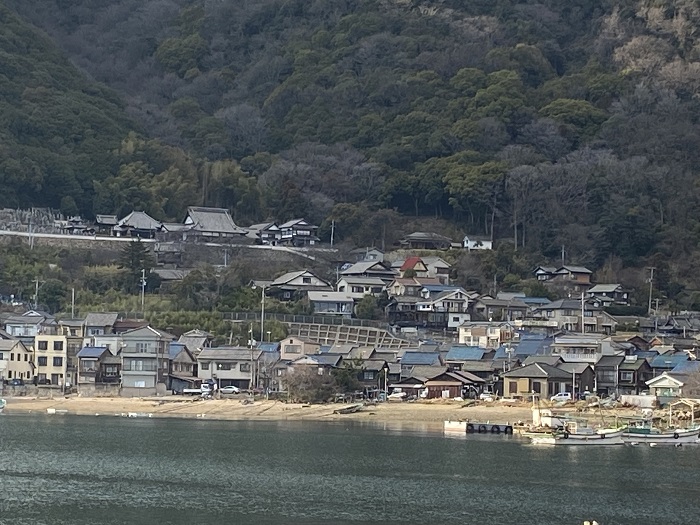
91, 352
212, 220
172, 274
296, 222
138, 220
362, 267
610, 361
101, 319
573, 368
538, 371
427, 236
290, 276
107, 220
573, 269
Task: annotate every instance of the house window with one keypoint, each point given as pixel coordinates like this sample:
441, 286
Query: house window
357, 289
550, 313
205, 365
58, 346
306, 280
42, 360
57, 361
293, 349
245, 367
26, 357
12, 357
43, 345
223, 366
537, 387
455, 319
512, 387
626, 376
606, 376
143, 348
368, 375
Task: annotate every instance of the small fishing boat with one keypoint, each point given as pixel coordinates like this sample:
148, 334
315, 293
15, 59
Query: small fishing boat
572, 434
646, 434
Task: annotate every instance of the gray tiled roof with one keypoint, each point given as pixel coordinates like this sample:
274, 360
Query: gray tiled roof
101, 319
215, 220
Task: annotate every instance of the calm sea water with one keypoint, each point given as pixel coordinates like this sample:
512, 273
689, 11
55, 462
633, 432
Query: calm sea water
107, 470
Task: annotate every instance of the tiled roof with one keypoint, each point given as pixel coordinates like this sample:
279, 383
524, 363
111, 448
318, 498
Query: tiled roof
215, 220
668, 362
91, 352
465, 353
101, 319
420, 358
538, 370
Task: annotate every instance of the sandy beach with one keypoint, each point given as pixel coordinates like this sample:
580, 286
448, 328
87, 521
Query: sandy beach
234, 409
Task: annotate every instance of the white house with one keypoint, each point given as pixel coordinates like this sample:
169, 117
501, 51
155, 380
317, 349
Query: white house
454, 303
358, 287
472, 242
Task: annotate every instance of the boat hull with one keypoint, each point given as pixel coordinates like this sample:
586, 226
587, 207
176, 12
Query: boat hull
662, 438
602, 437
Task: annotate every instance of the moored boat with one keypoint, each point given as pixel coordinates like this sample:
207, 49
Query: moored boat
649, 435
572, 434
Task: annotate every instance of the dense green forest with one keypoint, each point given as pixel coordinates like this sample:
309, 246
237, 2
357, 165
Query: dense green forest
544, 123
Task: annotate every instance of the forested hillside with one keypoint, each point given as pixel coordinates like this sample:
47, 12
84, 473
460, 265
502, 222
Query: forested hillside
548, 123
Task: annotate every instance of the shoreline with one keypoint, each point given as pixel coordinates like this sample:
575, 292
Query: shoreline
234, 409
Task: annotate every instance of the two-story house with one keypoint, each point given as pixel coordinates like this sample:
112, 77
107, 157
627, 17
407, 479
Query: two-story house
295, 285
26, 326
447, 309
566, 313
370, 269
298, 232
358, 287
145, 361
367, 255
438, 269
609, 294
490, 309
413, 267
182, 367
229, 366
489, 335
99, 324
294, 347
584, 348
267, 233
16, 361
331, 303
98, 371
570, 279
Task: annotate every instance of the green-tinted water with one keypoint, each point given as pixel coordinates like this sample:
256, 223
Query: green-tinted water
106, 470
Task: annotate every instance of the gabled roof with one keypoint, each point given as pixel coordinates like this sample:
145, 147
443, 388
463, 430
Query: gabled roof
319, 359
411, 263
609, 361
464, 353
533, 345
421, 358
296, 222
290, 276
214, 220
8, 344
668, 362
363, 281
545, 269
149, 330
665, 378
101, 319
437, 262
107, 220
138, 220
551, 360
604, 288
573, 269
480, 366
362, 267
427, 236
538, 371
686, 367
92, 352
573, 368
633, 365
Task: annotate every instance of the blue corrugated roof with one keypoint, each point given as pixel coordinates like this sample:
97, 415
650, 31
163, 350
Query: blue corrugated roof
420, 358
465, 353
270, 347
686, 367
668, 362
535, 300
91, 351
324, 349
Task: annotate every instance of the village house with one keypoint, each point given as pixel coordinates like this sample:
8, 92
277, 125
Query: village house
485, 334
536, 378
145, 361
447, 309
634, 372
376, 269
331, 303
438, 269
358, 287
182, 367
609, 294
104, 224
584, 348
453, 384
321, 364
367, 255
474, 242
137, 224
413, 267
667, 362
51, 357
294, 347
266, 233
98, 371
16, 361
567, 315
298, 232
573, 280
294, 285
489, 309
425, 241
545, 273
229, 365
196, 340
374, 377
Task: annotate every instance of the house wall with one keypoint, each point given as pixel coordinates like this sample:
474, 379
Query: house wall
525, 386
16, 363
56, 358
293, 348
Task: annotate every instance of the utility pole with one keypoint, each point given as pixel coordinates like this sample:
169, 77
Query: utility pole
143, 292
583, 314
262, 315
72, 303
651, 286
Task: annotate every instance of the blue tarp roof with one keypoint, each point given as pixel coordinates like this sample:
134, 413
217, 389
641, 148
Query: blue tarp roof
174, 349
465, 353
91, 351
420, 358
270, 347
686, 367
668, 362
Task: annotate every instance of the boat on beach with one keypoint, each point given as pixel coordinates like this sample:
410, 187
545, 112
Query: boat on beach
572, 434
349, 410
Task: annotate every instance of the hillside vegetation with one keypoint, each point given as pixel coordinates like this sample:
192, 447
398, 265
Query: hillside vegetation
546, 123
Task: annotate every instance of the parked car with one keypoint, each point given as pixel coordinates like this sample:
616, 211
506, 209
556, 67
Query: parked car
487, 396
16, 382
230, 390
561, 397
